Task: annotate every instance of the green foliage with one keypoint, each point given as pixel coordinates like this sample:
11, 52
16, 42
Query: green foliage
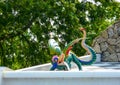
25, 26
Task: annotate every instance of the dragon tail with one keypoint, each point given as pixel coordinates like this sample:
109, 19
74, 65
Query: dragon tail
93, 57
88, 49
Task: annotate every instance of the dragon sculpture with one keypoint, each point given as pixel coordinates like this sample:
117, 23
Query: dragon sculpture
62, 59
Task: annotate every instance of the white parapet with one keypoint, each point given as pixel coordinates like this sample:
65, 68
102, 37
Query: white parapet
60, 78
3, 69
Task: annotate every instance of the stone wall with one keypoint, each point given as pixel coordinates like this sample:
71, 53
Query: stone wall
108, 43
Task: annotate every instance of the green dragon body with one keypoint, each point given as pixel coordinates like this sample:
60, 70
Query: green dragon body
62, 60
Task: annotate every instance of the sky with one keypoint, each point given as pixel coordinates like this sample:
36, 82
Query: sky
93, 0
117, 0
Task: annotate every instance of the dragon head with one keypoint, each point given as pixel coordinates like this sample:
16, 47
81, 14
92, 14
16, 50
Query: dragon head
54, 47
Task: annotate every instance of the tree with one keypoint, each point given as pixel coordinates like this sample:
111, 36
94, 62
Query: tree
25, 27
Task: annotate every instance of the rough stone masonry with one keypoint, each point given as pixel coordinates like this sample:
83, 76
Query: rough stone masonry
108, 43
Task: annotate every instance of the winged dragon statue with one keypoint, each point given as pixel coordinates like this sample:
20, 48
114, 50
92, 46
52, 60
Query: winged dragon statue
62, 58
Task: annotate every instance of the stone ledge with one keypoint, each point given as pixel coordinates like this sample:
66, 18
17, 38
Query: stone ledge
108, 43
